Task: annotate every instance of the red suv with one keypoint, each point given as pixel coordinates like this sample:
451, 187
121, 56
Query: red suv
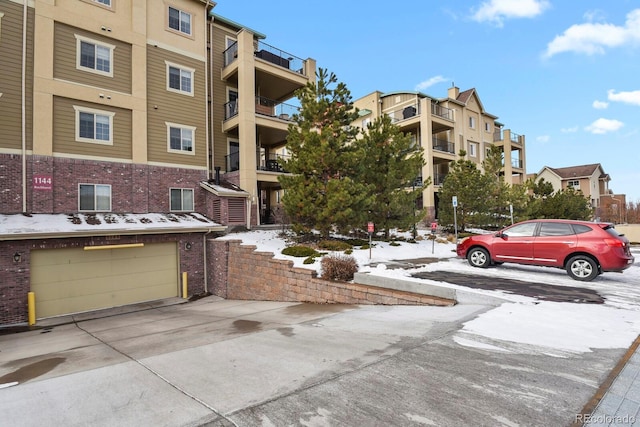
585, 249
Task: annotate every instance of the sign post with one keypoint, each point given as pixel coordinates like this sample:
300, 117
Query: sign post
511, 212
454, 202
434, 228
370, 228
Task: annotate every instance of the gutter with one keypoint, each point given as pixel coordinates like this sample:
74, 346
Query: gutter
111, 232
23, 102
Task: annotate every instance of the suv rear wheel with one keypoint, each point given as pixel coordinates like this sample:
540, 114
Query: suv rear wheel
479, 257
582, 267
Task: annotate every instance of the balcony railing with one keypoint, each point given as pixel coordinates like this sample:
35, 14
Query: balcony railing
271, 163
280, 57
404, 113
443, 145
517, 163
230, 54
438, 178
271, 108
514, 137
232, 162
230, 109
440, 111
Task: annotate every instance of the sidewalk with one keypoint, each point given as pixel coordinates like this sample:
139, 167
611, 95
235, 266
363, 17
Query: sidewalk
620, 404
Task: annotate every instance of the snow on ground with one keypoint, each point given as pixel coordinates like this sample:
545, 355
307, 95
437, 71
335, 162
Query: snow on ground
521, 324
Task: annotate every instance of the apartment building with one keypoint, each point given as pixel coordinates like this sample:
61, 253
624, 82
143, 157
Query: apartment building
103, 149
442, 127
252, 86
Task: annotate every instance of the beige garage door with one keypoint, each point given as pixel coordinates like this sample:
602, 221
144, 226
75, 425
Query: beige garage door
74, 280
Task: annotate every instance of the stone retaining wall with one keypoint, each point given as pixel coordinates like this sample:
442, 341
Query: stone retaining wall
240, 272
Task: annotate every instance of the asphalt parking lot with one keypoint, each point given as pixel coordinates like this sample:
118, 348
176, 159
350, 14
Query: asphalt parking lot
219, 362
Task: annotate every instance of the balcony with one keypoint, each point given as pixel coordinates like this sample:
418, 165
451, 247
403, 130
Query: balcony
404, 113
272, 163
513, 137
280, 58
231, 54
442, 112
438, 178
271, 108
230, 109
443, 145
517, 163
232, 162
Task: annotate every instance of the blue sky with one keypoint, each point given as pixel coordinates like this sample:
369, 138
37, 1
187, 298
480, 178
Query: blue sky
566, 74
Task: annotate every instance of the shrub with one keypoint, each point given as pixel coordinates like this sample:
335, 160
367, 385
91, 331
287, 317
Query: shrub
339, 267
394, 244
299, 251
334, 245
309, 260
357, 242
348, 251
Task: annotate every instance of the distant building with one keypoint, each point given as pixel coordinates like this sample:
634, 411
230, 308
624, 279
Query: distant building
442, 127
593, 182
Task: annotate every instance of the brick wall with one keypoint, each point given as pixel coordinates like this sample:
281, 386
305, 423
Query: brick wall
240, 272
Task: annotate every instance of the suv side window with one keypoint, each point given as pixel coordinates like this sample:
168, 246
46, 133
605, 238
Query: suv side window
579, 228
521, 230
555, 229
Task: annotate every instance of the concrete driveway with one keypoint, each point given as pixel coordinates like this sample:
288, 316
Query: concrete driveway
219, 362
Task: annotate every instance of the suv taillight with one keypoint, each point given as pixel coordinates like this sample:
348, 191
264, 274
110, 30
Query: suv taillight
614, 243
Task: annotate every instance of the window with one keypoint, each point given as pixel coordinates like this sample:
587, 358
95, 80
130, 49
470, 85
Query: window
179, 79
573, 184
94, 126
180, 138
487, 127
93, 56
180, 21
233, 159
104, 2
95, 197
473, 149
366, 122
181, 199
555, 229
521, 230
472, 122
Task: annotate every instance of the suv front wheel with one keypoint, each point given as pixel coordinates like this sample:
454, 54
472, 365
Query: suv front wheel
479, 257
582, 267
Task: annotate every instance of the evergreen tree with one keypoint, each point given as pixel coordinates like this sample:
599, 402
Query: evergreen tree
469, 185
390, 163
321, 192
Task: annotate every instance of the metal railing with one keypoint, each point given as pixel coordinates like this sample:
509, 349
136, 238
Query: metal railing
272, 162
517, 163
280, 57
443, 145
271, 108
404, 113
230, 54
230, 109
514, 137
232, 162
438, 178
440, 111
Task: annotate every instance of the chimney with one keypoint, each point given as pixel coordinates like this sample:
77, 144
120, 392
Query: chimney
453, 92
217, 181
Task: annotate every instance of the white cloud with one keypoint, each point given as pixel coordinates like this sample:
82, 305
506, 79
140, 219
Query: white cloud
626, 97
573, 129
602, 126
593, 38
543, 138
600, 105
430, 82
496, 11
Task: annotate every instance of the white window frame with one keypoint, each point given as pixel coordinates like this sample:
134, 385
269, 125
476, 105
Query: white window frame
487, 127
473, 149
182, 69
180, 30
109, 114
182, 192
95, 201
573, 183
170, 126
106, 3
81, 39
472, 122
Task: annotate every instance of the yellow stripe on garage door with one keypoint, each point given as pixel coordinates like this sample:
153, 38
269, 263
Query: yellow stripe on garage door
74, 280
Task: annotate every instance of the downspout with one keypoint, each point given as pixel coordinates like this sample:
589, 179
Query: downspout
24, 107
208, 138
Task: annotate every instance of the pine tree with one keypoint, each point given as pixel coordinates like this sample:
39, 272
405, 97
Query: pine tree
390, 164
468, 184
321, 192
